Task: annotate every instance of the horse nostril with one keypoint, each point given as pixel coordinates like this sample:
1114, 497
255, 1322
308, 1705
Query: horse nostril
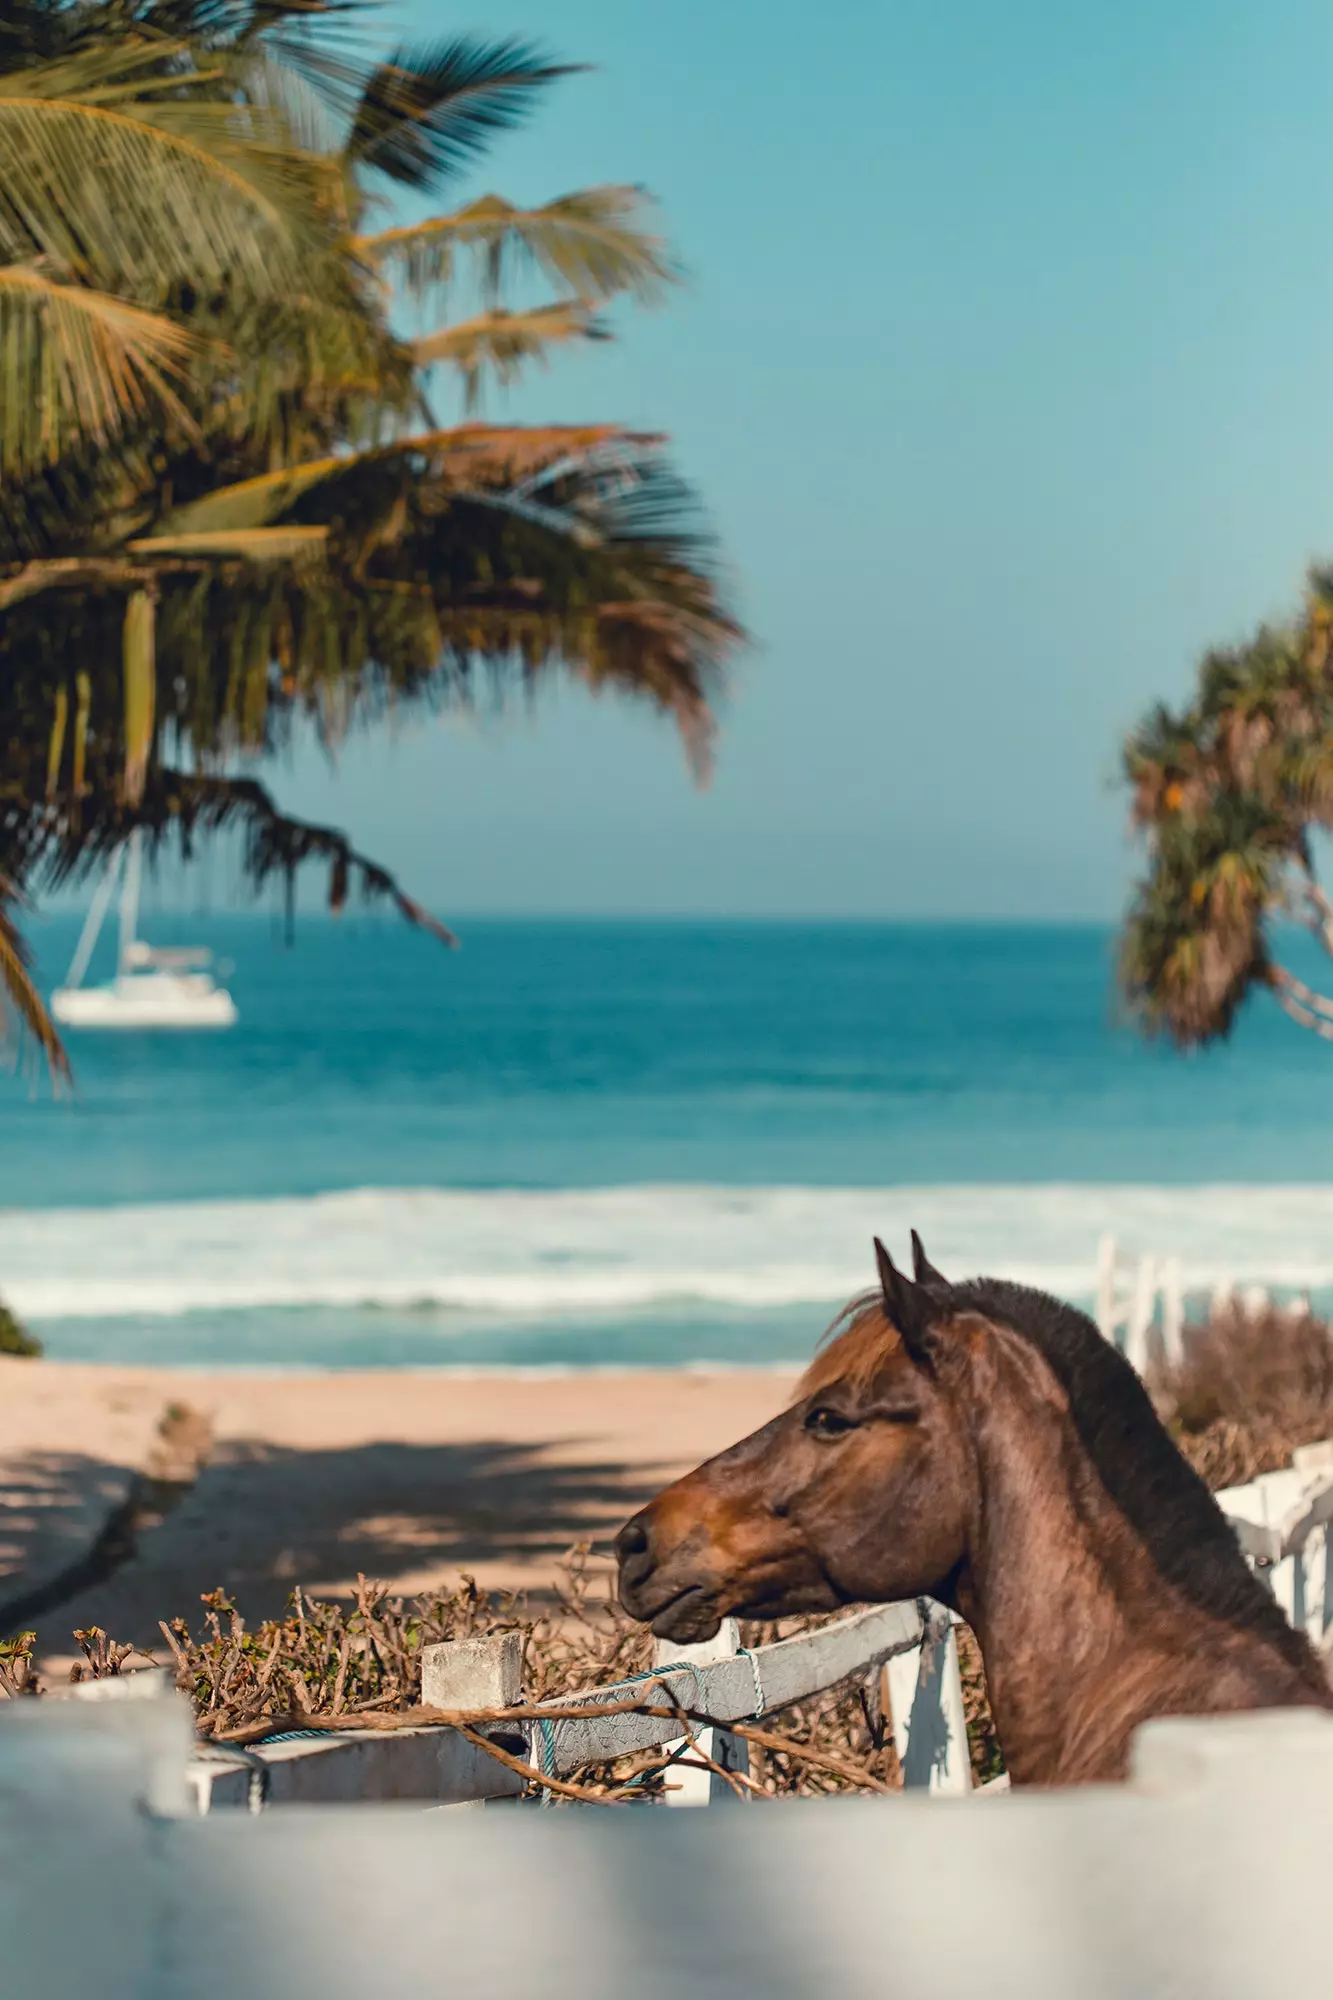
633, 1545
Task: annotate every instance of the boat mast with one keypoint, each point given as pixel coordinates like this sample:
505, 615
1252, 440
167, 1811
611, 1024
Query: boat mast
92, 923
129, 899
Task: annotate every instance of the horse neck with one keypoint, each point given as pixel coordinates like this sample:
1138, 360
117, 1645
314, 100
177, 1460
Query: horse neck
1080, 1636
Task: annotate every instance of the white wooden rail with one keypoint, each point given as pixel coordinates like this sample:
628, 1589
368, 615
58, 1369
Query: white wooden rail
916, 1642
1282, 1523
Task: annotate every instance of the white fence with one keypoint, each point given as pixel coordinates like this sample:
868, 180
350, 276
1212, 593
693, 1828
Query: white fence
1127, 1296
915, 1645
1141, 1303
1207, 1875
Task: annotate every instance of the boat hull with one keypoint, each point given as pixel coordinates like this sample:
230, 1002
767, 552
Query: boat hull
154, 1002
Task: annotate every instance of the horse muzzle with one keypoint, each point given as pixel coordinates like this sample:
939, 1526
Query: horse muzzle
666, 1590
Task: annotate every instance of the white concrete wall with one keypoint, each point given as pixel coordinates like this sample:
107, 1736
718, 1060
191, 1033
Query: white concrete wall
1207, 1877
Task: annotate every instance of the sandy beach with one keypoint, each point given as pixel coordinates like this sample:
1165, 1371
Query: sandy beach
408, 1477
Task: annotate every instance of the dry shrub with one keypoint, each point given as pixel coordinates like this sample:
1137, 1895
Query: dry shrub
323, 1658
17, 1674
1250, 1389
983, 1741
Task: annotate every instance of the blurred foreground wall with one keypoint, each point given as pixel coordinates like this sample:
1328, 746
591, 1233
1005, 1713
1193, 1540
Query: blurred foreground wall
1208, 1875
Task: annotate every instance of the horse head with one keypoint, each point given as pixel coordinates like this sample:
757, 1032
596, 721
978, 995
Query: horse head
792, 1519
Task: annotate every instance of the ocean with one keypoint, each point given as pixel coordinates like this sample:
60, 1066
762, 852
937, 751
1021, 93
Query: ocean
608, 1144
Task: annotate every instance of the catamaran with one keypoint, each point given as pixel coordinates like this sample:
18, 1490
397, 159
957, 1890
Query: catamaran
153, 988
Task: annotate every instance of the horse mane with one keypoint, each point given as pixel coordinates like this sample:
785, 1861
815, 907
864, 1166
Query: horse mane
1165, 1502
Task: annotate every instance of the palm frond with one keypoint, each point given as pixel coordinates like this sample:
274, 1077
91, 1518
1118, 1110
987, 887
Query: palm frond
428, 112
79, 365
184, 806
139, 658
105, 175
21, 999
257, 545
505, 341
465, 457
594, 244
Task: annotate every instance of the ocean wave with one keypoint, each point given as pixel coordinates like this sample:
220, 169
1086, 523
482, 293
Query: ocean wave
520, 1252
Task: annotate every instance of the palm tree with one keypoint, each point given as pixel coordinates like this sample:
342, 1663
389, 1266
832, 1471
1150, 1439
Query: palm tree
1229, 795
256, 524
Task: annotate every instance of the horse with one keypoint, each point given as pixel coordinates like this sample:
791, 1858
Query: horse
982, 1444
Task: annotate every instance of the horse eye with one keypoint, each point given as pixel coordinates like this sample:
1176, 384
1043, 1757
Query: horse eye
828, 1423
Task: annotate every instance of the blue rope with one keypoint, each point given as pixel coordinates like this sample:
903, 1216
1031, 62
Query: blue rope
744, 1652
544, 1747
546, 1756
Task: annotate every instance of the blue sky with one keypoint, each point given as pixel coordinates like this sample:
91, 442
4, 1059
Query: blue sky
1005, 366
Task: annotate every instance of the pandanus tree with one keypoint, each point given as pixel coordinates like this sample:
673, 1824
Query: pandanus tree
1231, 795
228, 515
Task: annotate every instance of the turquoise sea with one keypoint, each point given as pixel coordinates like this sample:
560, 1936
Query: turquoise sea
604, 1144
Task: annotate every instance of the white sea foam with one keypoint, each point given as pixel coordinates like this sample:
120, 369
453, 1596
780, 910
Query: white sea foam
600, 1250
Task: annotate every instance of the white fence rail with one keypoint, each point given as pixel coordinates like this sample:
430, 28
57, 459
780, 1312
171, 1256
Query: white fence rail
1206, 1875
718, 1684
1282, 1523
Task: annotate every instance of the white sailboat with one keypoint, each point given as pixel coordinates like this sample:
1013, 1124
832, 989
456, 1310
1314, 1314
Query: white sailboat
152, 988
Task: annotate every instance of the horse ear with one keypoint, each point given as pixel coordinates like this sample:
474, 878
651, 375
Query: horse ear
922, 1269
907, 1305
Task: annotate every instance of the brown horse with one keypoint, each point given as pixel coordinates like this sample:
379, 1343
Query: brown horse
982, 1444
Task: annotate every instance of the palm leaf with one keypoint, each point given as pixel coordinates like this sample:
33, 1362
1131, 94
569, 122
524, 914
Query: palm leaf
244, 544
246, 505
504, 341
22, 998
593, 244
76, 365
465, 457
188, 805
105, 176
140, 671
428, 112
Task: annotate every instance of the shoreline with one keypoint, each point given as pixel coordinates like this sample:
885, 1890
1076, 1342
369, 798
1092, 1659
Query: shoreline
460, 1371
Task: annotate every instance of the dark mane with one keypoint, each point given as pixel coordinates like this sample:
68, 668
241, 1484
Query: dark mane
1161, 1496
1163, 1499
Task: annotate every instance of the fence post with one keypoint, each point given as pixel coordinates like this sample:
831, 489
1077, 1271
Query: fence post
1173, 1313
1141, 1316
929, 1723
1106, 1313
697, 1787
473, 1673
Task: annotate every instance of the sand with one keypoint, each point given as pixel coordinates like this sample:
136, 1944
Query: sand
406, 1477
